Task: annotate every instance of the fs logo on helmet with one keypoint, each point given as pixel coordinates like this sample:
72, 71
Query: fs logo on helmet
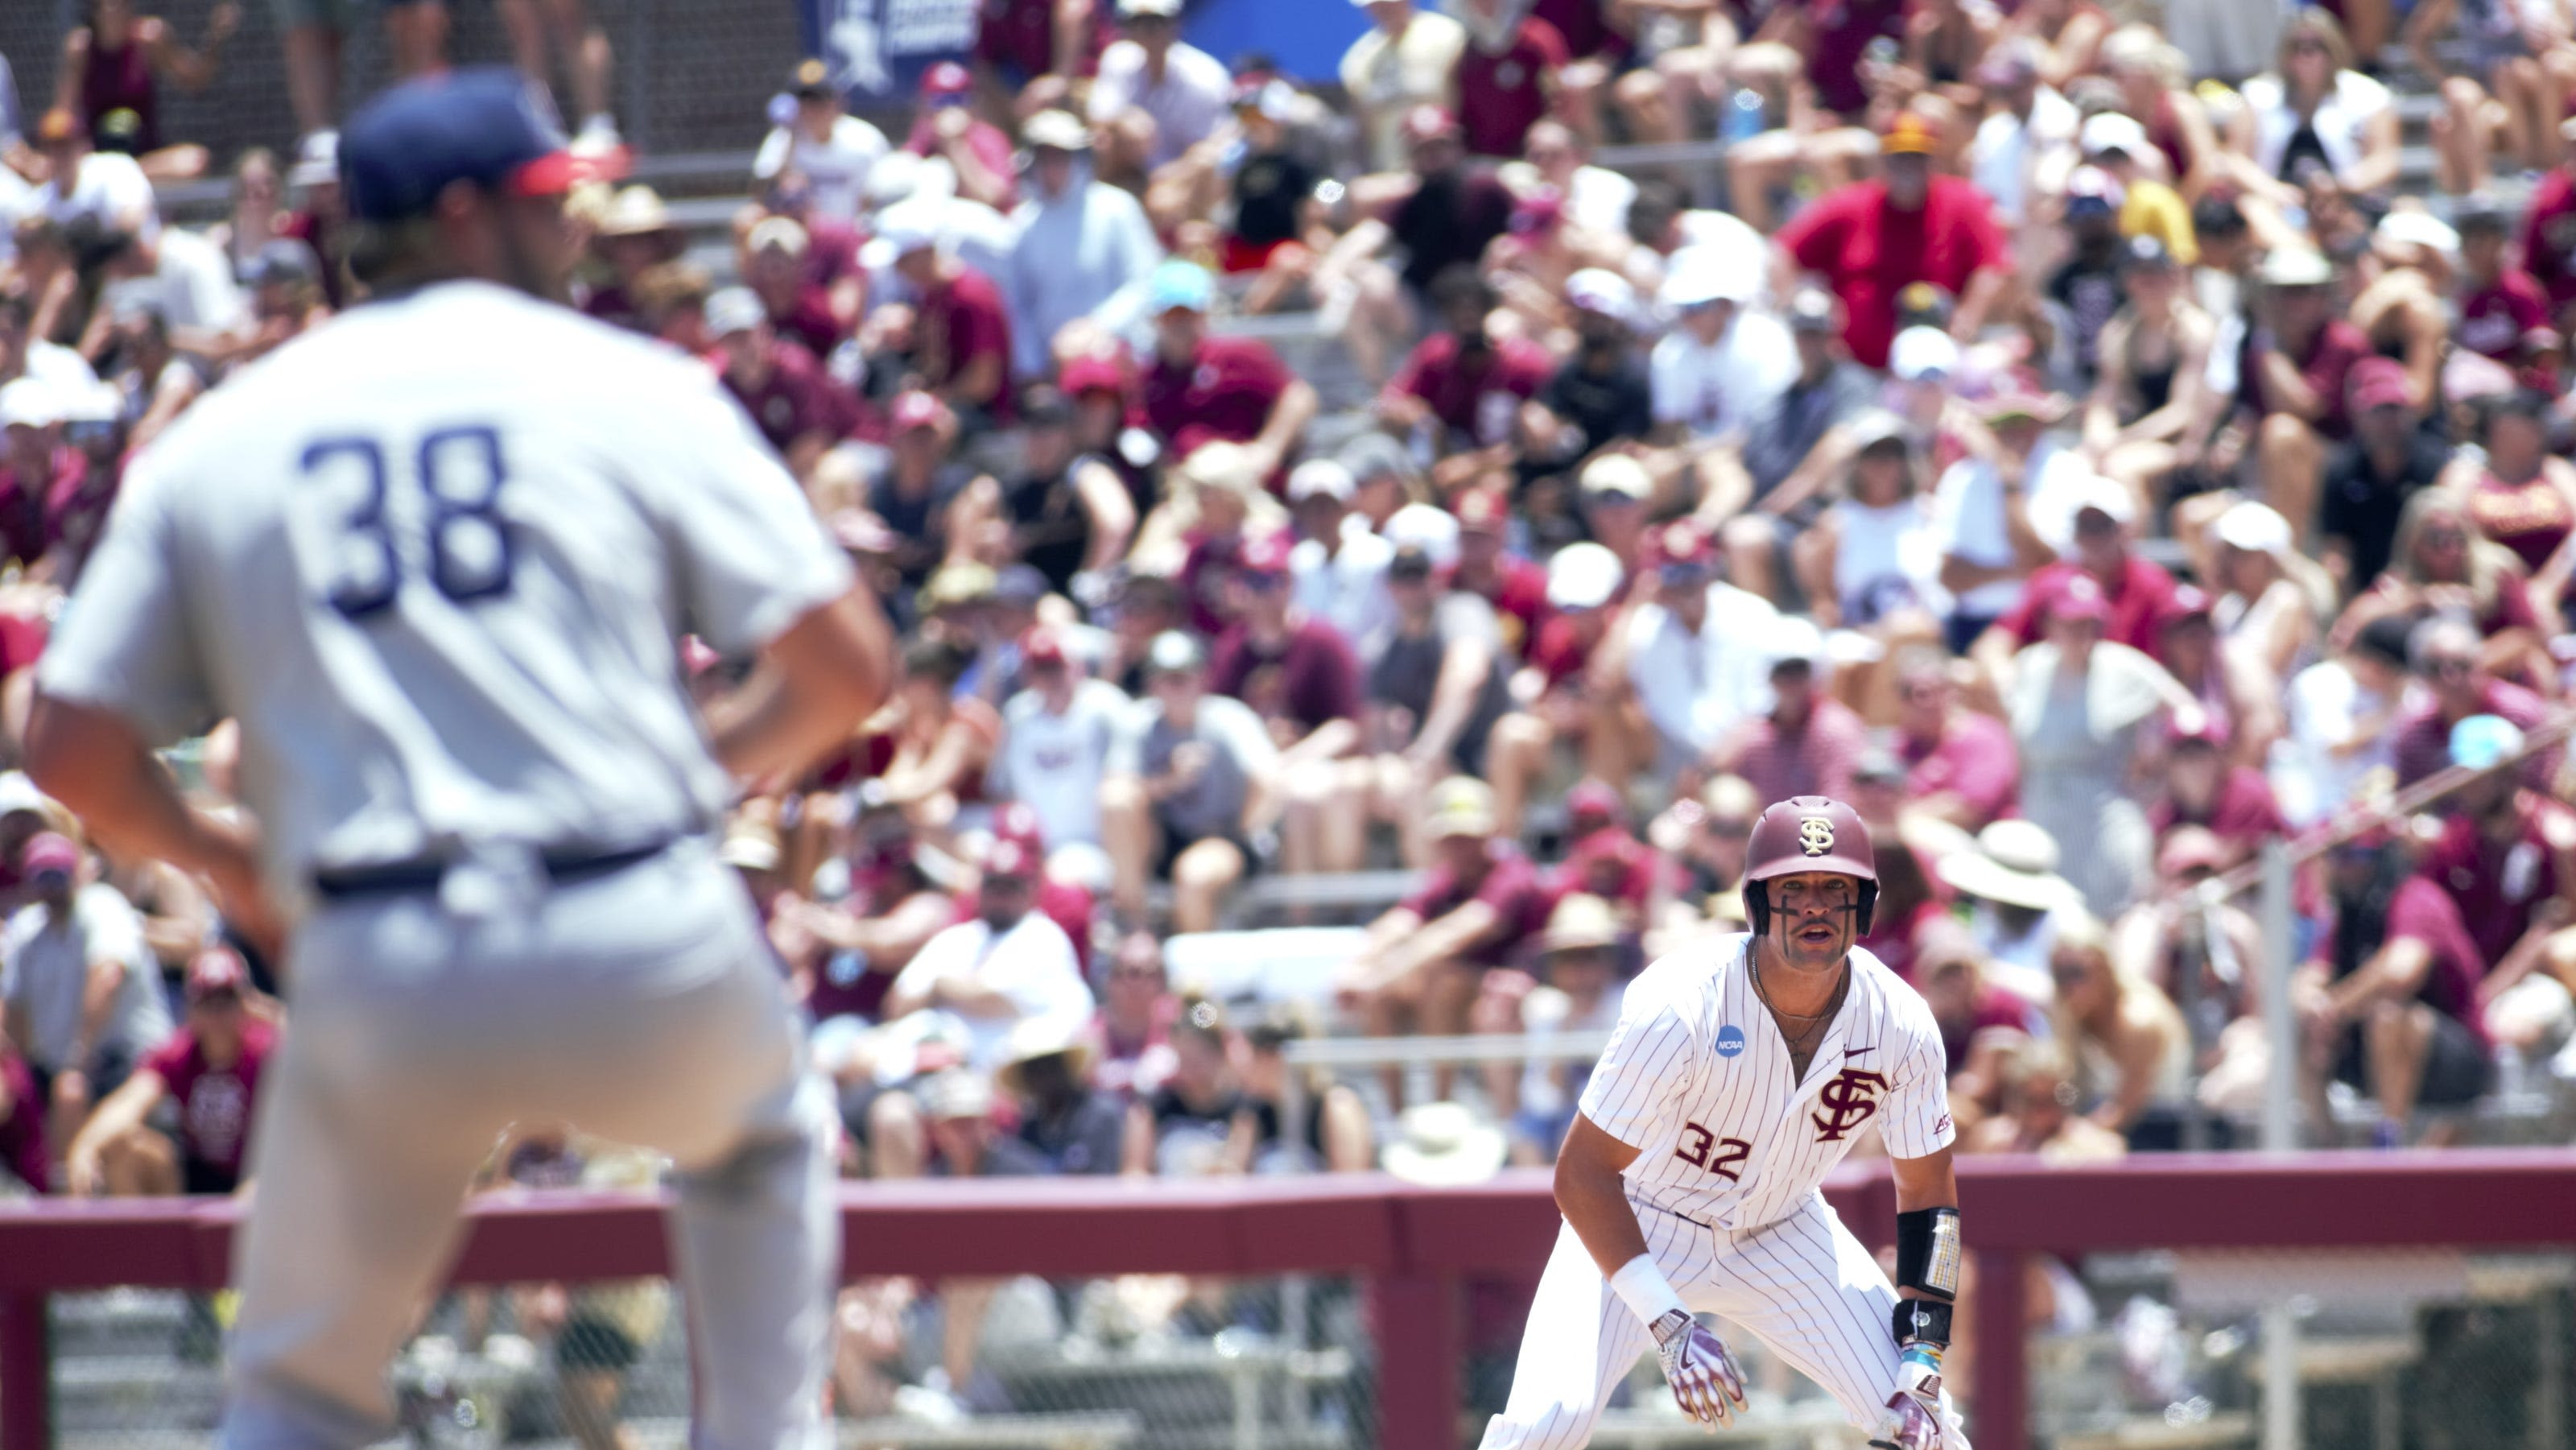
1816, 836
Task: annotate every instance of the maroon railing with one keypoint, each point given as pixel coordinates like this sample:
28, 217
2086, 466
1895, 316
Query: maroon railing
1413, 1245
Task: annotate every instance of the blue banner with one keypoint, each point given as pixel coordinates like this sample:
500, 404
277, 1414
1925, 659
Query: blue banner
879, 48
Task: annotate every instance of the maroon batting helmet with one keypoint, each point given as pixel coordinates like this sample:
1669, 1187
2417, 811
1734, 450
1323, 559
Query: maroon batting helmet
1808, 833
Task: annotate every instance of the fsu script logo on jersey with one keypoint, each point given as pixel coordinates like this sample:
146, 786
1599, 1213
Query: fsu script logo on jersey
1815, 835
1848, 1101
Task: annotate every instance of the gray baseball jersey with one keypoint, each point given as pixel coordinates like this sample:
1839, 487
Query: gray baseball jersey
434, 557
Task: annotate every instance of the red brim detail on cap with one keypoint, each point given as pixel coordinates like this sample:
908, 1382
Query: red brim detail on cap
558, 172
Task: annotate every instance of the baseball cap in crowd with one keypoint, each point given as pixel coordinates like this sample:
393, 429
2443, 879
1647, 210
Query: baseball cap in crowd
1133, 8
1092, 374
59, 125
1427, 530
1617, 475
956, 1093
734, 309
778, 233
216, 972
809, 79
946, 80
1179, 284
49, 853
1020, 586
1599, 290
1922, 354
1042, 645
1581, 922
1056, 130
1593, 805
1174, 653
906, 230
1811, 310
1871, 427
1583, 576
2254, 527
2076, 598
2090, 190
481, 124
1542, 210
1908, 135
30, 402
2411, 228
2378, 382
2189, 849
2385, 639
2476, 743
1444, 1145
1265, 553
2017, 397
2483, 218
2147, 253
1321, 478
1482, 511
2295, 266
1461, 806
1427, 122
2189, 602
2110, 131
1701, 275
1681, 544
917, 409
317, 161
2095, 493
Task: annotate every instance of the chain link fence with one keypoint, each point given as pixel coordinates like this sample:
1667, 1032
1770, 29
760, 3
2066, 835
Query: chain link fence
690, 75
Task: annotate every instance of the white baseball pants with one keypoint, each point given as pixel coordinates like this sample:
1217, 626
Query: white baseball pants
1803, 1286
642, 1007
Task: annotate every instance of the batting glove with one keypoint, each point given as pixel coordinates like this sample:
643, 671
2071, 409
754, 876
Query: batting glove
1703, 1375
1914, 1419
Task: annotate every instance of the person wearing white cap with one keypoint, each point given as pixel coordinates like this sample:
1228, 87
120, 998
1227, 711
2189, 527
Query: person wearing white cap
2271, 595
1723, 363
1602, 394
1082, 248
1555, 684
2294, 377
2025, 144
1339, 562
820, 141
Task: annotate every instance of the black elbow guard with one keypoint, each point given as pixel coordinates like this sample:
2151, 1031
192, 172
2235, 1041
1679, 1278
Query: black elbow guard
1928, 1253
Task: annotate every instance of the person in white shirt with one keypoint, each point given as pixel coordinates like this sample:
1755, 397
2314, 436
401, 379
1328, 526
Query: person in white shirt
79, 990
1056, 736
1339, 562
1181, 90
830, 148
1985, 520
905, 193
2025, 147
1408, 58
1083, 248
1723, 364
23, 356
1009, 965
1596, 198
2342, 724
107, 189
1695, 655
186, 278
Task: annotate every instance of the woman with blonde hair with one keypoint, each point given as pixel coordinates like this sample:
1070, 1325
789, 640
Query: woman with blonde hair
2312, 113
2438, 563
2155, 87
2127, 1042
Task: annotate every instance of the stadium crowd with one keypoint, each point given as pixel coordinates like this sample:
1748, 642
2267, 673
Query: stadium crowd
2077, 441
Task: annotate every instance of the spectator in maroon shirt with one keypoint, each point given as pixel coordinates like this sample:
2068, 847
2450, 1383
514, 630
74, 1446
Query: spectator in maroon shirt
1872, 239
1028, 51
2500, 304
774, 266
2233, 802
1960, 764
1506, 75
1516, 587
210, 1069
41, 479
2445, 654
1835, 36
1554, 687
1809, 741
799, 409
1131, 1037
1300, 676
2506, 856
1200, 388
961, 333
1463, 379
2293, 372
2136, 590
2389, 1002
2549, 229
978, 151
632, 239
1422, 963
1979, 1021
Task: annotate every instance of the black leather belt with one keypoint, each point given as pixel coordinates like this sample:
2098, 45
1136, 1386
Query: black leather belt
399, 878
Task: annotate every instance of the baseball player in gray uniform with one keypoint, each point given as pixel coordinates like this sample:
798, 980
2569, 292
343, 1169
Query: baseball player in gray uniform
434, 558
1739, 1073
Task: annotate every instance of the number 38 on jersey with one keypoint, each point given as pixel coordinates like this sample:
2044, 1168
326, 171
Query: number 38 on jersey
377, 513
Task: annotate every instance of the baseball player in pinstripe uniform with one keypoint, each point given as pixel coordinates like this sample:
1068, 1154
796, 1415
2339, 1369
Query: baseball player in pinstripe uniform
435, 558
1740, 1072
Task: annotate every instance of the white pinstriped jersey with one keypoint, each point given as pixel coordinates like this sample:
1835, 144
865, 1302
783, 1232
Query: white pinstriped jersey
1696, 1078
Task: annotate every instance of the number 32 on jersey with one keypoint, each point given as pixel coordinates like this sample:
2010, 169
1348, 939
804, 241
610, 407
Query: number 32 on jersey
445, 491
1724, 1157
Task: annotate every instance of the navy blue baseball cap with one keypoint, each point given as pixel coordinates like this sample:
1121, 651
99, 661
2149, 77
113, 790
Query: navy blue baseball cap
482, 124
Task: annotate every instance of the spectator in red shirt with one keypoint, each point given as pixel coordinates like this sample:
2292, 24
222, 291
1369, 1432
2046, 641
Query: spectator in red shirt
2293, 372
210, 1068
2500, 304
1516, 587
1463, 379
1506, 75
2506, 855
1300, 676
1133, 1033
40, 478
633, 238
1809, 741
961, 334
1872, 239
2444, 653
2233, 802
774, 267
1026, 51
802, 412
2389, 1002
2136, 589
1960, 764
1555, 687
1423, 962
2549, 229
978, 151
1200, 388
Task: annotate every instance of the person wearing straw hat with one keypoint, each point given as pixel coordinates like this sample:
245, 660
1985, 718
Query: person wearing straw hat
2017, 896
632, 237
1442, 1145
1046, 1069
1740, 1070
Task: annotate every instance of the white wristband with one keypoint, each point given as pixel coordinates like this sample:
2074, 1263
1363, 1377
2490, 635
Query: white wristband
1646, 1289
